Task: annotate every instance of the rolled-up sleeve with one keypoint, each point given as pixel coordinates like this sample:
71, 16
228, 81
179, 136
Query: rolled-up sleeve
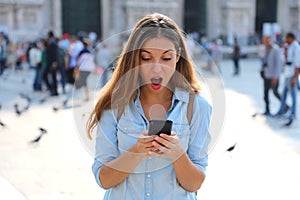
106, 143
200, 137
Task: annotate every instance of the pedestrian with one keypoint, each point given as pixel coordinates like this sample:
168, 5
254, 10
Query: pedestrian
236, 57
63, 59
292, 66
75, 47
103, 60
35, 59
153, 71
2, 54
271, 67
43, 45
19, 54
85, 66
52, 64
216, 53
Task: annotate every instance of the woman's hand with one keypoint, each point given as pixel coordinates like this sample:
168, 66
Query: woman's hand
144, 144
167, 146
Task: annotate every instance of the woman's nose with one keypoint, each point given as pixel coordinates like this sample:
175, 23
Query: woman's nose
156, 67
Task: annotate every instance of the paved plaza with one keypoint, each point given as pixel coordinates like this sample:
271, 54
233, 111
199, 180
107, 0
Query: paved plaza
264, 164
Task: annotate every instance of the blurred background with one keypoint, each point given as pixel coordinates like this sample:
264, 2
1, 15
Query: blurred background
28, 19
44, 152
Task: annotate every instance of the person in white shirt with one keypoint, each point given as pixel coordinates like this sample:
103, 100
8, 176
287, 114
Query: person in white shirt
35, 55
75, 47
271, 67
292, 67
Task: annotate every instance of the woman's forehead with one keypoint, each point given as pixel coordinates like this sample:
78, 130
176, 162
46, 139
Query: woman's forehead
158, 43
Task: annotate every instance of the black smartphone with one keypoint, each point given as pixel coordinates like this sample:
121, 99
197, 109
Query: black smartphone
160, 126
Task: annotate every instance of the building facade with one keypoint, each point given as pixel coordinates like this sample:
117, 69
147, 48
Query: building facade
27, 19
213, 18
118, 16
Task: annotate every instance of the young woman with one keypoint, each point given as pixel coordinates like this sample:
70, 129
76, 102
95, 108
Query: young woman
153, 73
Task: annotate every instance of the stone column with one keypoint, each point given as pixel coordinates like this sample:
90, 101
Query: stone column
57, 17
46, 10
298, 17
106, 17
238, 19
216, 18
52, 17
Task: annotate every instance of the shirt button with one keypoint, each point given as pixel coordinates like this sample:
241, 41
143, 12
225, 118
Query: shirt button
148, 194
149, 175
150, 158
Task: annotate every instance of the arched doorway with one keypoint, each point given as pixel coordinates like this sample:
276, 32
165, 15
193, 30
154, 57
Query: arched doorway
266, 11
195, 16
80, 15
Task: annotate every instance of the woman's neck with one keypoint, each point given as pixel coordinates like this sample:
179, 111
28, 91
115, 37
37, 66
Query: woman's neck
156, 104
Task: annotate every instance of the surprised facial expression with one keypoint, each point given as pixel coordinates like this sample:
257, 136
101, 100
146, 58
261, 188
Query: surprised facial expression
158, 60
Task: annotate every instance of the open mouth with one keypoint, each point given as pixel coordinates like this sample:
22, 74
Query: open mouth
156, 83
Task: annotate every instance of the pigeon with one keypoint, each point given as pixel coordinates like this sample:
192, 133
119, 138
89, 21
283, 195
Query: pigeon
65, 102
28, 101
26, 107
18, 112
254, 115
231, 148
289, 122
55, 109
43, 100
26, 97
2, 124
39, 137
43, 130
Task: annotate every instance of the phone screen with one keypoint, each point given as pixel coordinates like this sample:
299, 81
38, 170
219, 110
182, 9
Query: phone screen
160, 126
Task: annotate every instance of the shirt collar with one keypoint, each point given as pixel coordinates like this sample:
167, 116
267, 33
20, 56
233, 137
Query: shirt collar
181, 95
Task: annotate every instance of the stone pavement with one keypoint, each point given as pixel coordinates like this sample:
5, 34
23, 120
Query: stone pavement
264, 165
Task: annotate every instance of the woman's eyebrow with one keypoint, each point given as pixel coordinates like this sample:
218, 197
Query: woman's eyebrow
169, 50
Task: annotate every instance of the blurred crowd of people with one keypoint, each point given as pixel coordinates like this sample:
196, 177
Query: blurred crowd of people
279, 56
277, 60
57, 61
70, 59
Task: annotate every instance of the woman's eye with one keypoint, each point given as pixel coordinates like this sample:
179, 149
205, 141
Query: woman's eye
145, 58
166, 59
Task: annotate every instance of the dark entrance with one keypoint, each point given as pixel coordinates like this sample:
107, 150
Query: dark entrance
195, 16
266, 11
80, 15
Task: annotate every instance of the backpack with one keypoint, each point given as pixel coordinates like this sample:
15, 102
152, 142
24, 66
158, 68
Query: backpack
61, 57
189, 112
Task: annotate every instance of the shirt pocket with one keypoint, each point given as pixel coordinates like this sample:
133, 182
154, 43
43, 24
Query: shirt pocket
128, 133
183, 132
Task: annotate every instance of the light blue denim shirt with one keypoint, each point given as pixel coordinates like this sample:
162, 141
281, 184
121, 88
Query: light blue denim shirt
154, 178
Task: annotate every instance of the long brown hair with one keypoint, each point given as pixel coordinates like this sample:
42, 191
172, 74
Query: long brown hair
122, 87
